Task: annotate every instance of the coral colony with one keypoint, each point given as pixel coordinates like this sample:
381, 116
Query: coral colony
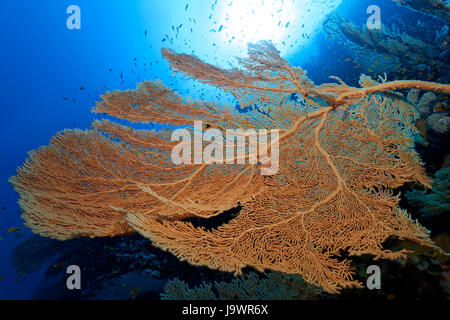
342, 150
257, 147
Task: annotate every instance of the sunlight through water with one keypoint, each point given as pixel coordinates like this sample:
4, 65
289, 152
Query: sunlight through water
288, 23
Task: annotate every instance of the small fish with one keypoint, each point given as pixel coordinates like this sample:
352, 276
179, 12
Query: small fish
13, 229
134, 291
145, 33
59, 265
186, 7
220, 28
65, 98
287, 24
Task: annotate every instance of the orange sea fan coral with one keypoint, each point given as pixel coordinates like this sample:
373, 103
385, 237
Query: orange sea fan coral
342, 150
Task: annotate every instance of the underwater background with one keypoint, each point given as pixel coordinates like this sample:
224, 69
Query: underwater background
51, 76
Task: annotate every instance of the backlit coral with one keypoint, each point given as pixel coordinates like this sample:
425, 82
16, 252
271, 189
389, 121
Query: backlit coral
392, 49
436, 8
342, 150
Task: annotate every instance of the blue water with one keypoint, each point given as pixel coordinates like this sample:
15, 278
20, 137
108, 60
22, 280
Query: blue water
43, 61
44, 66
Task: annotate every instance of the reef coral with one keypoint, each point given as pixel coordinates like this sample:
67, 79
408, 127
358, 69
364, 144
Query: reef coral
342, 151
439, 122
424, 104
435, 201
436, 8
412, 51
274, 286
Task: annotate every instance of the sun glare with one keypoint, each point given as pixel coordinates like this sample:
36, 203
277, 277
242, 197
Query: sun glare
253, 20
288, 23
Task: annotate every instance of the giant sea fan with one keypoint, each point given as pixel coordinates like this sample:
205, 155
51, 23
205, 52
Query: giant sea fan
342, 151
